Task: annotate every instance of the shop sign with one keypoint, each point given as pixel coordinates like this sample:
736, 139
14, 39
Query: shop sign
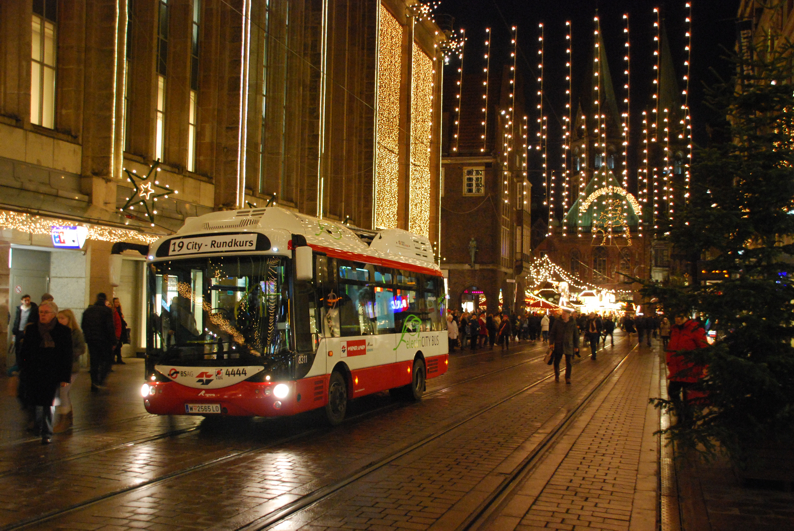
68, 237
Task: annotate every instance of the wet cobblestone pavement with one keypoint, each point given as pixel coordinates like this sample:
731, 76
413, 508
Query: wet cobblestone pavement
392, 465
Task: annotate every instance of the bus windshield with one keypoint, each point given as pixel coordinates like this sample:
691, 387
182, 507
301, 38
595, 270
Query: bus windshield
218, 311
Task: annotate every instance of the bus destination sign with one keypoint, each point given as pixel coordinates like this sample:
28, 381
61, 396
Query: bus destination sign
216, 243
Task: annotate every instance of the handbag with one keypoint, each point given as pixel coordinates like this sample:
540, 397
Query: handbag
549, 357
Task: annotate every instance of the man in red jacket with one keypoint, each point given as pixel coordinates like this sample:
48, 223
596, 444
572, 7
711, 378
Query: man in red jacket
683, 373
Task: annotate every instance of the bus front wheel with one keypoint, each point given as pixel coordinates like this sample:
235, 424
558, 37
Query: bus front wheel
336, 407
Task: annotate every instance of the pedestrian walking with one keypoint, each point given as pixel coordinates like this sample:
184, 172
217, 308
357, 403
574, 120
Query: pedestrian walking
65, 411
609, 330
639, 324
474, 331
27, 312
593, 333
483, 330
100, 336
564, 336
490, 325
452, 332
120, 327
544, 328
664, 331
504, 332
46, 362
463, 330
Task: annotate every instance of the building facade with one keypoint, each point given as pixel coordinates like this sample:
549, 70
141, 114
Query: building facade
124, 117
485, 203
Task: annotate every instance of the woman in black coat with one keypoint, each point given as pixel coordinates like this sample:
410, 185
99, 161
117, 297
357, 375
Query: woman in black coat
46, 364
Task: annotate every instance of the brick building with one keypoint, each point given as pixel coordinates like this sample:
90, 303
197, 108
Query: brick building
328, 108
485, 203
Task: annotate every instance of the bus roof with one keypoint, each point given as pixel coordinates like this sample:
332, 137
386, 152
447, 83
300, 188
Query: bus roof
324, 235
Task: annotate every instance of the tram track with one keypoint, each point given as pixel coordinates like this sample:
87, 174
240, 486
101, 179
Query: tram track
40, 466
509, 484
290, 509
16, 470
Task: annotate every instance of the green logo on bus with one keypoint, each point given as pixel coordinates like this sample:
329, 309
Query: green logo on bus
412, 326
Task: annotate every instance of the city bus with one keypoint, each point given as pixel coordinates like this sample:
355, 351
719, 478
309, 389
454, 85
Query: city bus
267, 312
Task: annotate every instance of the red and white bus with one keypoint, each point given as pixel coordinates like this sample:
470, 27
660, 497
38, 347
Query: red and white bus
266, 312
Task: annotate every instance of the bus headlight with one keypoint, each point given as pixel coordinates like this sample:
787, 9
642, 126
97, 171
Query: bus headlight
146, 390
281, 391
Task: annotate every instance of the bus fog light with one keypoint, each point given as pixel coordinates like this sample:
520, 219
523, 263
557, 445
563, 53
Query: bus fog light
146, 390
146, 403
281, 391
277, 404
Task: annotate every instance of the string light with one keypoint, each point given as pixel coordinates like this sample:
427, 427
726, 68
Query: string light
655, 123
143, 191
388, 121
41, 225
485, 94
567, 126
540, 125
627, 102
459, 97
424, 10
421, 137
687, 118
542, 270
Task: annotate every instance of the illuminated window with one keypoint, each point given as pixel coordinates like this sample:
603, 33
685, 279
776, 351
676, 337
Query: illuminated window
473, 181
160, 119
194, 76
42, 71
161, 67
191, 131
576, 259
599, 264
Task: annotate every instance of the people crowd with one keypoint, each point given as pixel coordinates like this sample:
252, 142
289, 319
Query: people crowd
481, 329
48, 344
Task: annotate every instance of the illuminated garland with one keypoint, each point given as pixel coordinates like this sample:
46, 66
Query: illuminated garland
43, 225
606, 190
543, 269
459, 94
567, 128
485, 95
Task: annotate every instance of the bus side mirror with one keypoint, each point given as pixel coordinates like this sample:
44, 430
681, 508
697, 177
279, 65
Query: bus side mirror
303, 263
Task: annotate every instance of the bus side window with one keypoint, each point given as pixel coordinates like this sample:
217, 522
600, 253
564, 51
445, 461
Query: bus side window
348, 311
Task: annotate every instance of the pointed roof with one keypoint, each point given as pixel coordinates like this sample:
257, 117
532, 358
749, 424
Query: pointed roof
585, 103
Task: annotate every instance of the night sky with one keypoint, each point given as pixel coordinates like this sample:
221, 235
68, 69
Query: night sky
713, 25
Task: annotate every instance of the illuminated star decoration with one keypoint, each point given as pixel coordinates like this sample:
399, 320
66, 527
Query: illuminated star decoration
145, 193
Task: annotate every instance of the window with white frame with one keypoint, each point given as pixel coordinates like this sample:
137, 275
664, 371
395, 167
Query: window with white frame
473, 181
44, 41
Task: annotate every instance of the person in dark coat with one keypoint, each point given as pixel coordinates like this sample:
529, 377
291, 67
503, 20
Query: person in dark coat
46, 362
505, 331
100, 336
564, 339
27, 312
490, 326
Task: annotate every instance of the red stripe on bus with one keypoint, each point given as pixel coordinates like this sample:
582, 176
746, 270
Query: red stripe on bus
374, 260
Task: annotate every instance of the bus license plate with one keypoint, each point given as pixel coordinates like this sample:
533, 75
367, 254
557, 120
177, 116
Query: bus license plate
203, 408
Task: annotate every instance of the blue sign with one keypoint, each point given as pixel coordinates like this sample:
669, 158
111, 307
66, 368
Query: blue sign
68, 237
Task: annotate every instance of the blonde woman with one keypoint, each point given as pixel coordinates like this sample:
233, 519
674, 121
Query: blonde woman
66, 318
